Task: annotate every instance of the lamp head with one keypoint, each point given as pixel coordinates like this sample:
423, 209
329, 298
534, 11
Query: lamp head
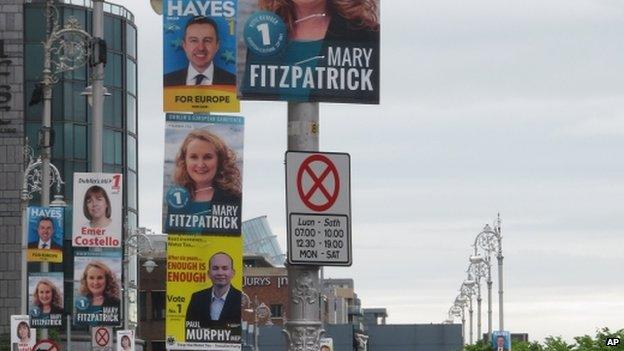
149, 265
476, 259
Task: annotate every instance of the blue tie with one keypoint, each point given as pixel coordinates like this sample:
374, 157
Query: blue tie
199, 78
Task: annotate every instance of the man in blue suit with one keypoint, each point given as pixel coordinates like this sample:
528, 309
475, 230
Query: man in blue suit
200, 44
221, 303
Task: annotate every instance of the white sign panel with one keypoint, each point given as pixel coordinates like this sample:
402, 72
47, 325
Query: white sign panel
125, 340
318, 208
102, 339
97, 214
23, 337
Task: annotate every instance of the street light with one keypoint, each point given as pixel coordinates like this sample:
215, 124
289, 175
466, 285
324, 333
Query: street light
467, 289
480, 269
260, 312
490, 241
459, 309
38, 178
138, 244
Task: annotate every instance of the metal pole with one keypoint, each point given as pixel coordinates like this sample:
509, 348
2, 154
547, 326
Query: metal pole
68, 328
479, 308
46, 126
24, 285
303, 328
97, 84
489, 286
463, 325
499, 257
471, 314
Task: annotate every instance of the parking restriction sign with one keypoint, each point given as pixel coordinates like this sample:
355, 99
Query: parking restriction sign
318, 208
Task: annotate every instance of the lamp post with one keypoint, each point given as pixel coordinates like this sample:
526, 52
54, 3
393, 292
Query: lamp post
39, 177
138, 243
260, 312
490, 240
467, 289
480, 269
460, 304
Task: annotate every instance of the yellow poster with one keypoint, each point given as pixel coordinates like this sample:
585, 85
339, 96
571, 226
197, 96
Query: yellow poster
204, 284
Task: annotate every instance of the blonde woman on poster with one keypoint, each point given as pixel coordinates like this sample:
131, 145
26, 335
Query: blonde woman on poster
100, 285
47, 297
202, 188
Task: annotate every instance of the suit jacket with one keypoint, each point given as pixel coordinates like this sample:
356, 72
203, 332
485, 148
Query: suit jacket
53, 245
199, 308
178, 77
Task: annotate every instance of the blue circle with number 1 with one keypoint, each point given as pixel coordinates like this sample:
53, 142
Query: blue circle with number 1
177, 197
265, 33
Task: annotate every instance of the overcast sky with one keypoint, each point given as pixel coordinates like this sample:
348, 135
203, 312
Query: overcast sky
487, 106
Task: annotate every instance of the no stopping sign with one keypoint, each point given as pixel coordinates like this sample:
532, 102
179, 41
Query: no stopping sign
318, 206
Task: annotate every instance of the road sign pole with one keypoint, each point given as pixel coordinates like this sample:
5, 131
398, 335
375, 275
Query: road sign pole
303, 325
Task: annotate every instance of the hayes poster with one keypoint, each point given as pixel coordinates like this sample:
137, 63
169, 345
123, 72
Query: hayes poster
199, 56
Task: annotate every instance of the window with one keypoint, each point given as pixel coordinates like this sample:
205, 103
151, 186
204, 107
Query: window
276, 311
142, 305
112, 109
131, 40
131, 113
132, 190
80, 142
158, 305
112, 33
112, 147
112, 70
35, 28
33, 60
131, 76
75, 104
132, 153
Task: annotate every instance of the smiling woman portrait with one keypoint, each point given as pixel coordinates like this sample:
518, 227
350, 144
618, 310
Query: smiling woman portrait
99, 285
96, 207
207, 168
47, 297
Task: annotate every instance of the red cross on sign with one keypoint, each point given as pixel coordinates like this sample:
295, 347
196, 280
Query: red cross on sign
102, 336
318, 183
48, 345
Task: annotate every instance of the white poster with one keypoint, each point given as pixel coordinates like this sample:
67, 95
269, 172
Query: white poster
125, 340
97, 211
21, 334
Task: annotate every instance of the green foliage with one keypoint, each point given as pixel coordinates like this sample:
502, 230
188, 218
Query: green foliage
556, 343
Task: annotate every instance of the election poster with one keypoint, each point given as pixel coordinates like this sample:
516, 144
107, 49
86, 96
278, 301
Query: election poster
97, 211
198, 268
199, 53
302, 52
45, 234
501, 340
203, 174
125, 340
327, 344
97, 288
45, 299
23, 338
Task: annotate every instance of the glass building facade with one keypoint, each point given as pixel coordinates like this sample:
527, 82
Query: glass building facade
71, 112
259, 239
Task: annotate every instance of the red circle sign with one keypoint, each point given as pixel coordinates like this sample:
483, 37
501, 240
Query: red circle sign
48, 345
102, 336
319, 185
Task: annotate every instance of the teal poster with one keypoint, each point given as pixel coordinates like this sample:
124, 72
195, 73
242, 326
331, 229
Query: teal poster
322, 51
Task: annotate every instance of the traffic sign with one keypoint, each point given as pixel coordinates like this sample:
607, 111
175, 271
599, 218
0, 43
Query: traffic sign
46, 345
318, 208
101, 338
